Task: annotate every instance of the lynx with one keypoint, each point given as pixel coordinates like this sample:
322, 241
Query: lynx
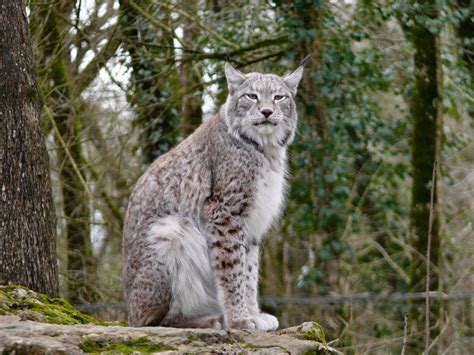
196, 217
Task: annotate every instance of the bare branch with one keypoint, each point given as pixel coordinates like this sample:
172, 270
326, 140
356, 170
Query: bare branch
89, 73
198, 22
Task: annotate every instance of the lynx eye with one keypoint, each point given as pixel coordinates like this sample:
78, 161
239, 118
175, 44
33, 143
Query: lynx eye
252, 97
279, 97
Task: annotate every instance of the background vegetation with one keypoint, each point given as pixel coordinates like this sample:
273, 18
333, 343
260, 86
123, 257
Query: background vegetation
382, 179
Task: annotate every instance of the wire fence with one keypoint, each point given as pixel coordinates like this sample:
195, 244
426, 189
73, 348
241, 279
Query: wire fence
362, 297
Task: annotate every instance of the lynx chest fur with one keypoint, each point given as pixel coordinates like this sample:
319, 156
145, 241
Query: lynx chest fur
270, 190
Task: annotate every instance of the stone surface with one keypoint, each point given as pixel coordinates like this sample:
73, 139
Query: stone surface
31, 323
25, 336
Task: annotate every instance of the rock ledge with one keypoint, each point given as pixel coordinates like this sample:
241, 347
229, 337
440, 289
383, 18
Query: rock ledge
23, 331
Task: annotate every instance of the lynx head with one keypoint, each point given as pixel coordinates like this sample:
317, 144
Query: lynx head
260, 108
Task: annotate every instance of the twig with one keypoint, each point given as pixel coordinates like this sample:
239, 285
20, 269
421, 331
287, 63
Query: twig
146, 15
235, 341
446, 325
428, 261
193, 54
376, 343
463, 92
89, 73
390, 261
405, 333
200, 24
68, 153
259, 59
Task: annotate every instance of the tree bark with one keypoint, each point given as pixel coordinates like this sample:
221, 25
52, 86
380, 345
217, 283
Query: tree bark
313, 105
314, 136
191, 102
152, 55
27, 215
426, 114
62, 100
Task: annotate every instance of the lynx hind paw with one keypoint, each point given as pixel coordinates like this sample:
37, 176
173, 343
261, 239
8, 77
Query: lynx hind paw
214, 323
243, 323
266, 322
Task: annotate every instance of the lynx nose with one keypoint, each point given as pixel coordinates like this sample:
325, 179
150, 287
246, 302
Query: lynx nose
266, 112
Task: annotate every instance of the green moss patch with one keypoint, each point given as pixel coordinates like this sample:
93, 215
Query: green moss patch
142, 345
315, 333
20, 301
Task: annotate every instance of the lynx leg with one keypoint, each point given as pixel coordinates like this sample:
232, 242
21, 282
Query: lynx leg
228, 258
148, 275
263, 321
148, 302
251, 278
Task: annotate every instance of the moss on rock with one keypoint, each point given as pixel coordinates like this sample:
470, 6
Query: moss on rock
29, 305
142, 345
314, 332
18, 304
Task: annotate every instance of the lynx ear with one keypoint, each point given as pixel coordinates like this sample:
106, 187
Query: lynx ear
293, 79
234, 77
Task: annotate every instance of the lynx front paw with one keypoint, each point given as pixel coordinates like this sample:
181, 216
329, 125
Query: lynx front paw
266, 322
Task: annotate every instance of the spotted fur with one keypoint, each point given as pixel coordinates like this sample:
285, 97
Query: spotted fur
196, 217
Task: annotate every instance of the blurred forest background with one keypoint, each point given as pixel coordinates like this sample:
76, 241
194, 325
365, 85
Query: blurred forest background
382, 170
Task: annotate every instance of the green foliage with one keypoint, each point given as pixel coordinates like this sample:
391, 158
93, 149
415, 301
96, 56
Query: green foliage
333, 177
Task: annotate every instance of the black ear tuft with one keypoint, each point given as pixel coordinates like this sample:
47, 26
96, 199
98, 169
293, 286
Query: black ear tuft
305, 60
293, 79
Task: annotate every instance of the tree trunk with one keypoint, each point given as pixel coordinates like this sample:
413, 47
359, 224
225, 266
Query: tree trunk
313, 106
62, 102
27, 215
426, 113
313, 135
190, 79
152, 55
